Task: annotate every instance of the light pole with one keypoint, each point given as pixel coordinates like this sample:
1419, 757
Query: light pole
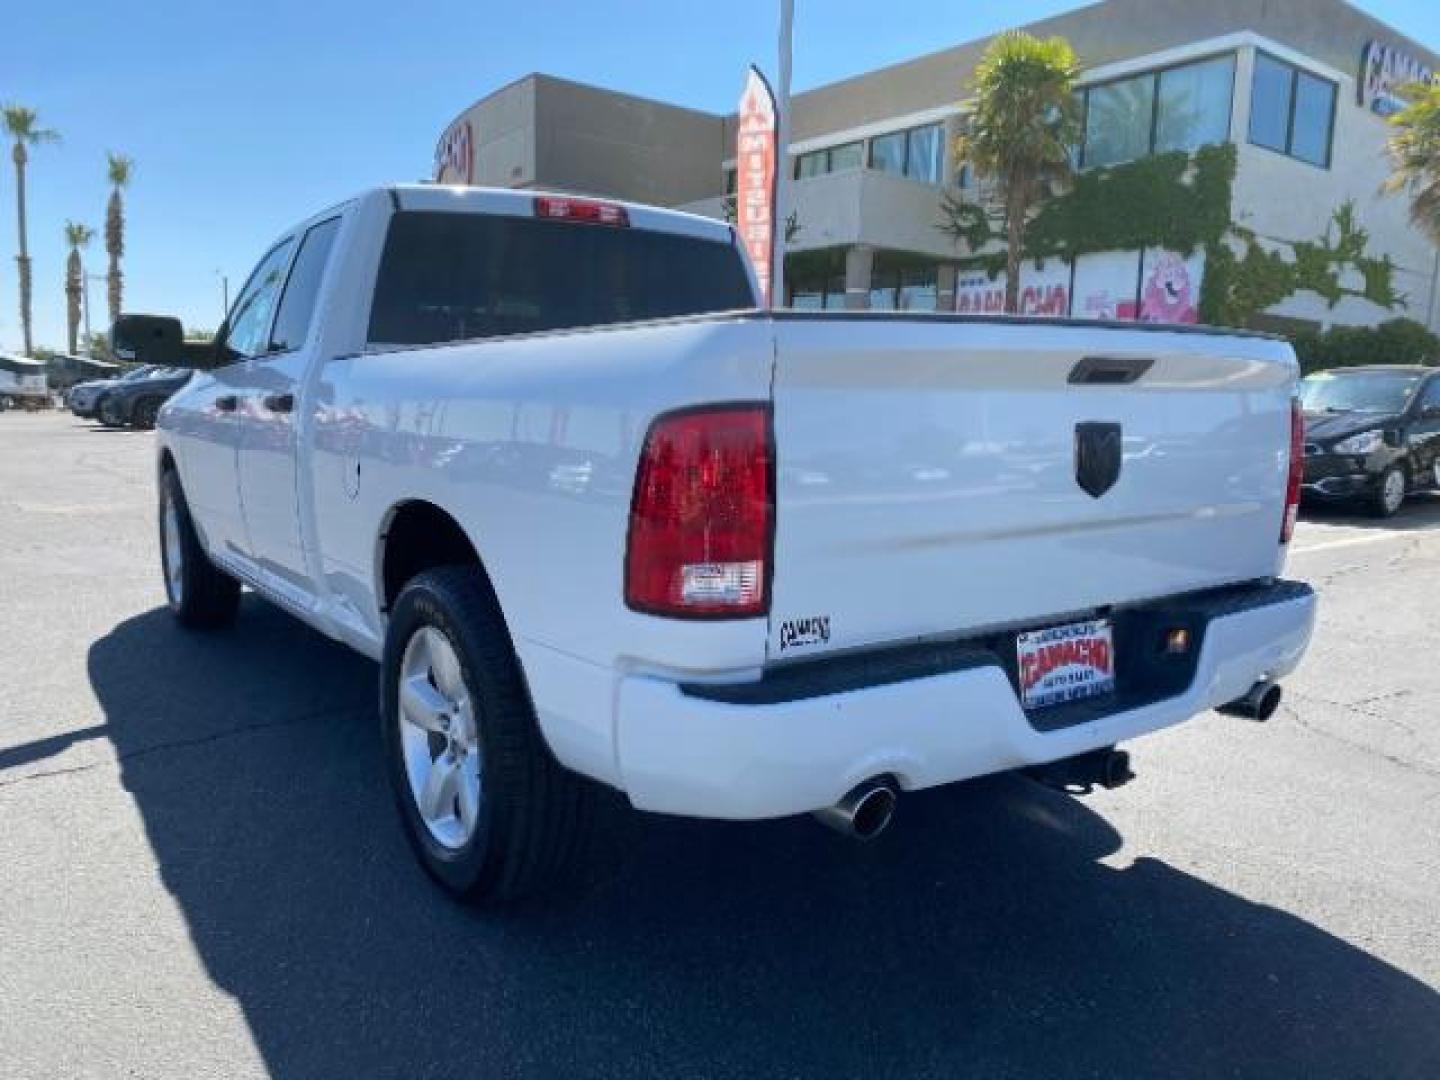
86, 297
224, 294
782, 164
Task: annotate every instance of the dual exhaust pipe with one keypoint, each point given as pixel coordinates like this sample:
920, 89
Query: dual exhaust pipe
1259, 703
864, 813
867, 810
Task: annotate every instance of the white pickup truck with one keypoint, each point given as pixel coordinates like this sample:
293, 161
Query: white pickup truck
598, 516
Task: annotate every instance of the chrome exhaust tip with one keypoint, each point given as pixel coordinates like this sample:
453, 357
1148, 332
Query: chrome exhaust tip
864, 813
1259, 703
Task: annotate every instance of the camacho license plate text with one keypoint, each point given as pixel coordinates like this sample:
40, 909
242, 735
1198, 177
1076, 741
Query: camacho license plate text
1065, 663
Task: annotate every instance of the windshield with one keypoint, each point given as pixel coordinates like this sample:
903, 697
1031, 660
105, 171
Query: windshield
1369, 391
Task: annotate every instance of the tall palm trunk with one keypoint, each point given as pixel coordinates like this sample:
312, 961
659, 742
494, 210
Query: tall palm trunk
1015, 211
74, 284
23, 259
115, 246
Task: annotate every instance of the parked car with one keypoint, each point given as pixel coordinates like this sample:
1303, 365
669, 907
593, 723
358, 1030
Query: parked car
23, 384
83, 397
542, 458
1372, 435
136, 402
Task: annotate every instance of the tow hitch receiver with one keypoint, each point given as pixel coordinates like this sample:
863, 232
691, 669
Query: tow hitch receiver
1079, 775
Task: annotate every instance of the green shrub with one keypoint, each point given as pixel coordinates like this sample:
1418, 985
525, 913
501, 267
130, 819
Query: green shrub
1398, 341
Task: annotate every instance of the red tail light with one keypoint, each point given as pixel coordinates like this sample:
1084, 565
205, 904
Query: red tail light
596, 213
1297, 471
701, 519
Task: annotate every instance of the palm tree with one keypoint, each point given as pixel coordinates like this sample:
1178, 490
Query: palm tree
1415, 154
120, 170
77, 236
22, 128
1021, 130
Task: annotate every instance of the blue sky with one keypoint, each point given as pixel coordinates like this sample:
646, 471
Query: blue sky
245, 117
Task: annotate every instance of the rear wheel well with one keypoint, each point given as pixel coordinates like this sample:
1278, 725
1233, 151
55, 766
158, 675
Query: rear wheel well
419, 537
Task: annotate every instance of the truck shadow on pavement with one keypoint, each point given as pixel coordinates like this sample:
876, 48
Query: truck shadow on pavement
981, 937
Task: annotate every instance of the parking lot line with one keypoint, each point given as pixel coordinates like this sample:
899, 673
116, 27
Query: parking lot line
1356, 541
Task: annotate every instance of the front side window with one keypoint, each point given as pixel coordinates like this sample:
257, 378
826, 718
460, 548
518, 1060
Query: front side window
1431, 400
1291, 111
454, 276
249, 321
297, 305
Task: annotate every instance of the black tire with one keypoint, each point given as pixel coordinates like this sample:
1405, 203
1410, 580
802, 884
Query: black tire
144, 413
108, 413
207, 597
534, 816
1382, 503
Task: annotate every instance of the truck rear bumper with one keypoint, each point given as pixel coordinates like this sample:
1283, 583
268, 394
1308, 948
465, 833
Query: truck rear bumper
744, 755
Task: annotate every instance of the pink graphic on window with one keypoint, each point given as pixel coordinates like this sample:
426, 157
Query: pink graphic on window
1169, 293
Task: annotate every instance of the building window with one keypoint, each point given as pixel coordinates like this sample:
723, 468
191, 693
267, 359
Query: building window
918, 153
1193, 108
849, 156
1291, 111
1178, 108
909, 288
1118, 121
819, 293
831, 159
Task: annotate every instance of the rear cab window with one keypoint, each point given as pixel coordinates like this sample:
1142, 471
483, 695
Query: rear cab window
448, 276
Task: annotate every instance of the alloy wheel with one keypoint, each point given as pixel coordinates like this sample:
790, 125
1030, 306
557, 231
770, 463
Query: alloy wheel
172, 555
1393, 492
439, 738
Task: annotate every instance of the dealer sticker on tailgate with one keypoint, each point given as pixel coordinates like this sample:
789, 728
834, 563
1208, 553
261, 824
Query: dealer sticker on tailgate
1065, 663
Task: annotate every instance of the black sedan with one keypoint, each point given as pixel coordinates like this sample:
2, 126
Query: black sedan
1372, 435
136, 403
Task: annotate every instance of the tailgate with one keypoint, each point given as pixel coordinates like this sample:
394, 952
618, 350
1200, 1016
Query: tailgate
929, 473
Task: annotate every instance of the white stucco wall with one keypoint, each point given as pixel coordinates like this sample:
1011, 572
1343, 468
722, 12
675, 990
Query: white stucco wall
1282, 198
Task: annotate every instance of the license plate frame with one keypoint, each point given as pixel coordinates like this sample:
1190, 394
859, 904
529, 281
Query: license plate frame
1067, 663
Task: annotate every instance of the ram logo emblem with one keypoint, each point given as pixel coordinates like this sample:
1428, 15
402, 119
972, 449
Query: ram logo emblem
1098, 456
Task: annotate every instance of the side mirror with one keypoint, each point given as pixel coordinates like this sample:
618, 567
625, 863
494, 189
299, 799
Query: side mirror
150, 339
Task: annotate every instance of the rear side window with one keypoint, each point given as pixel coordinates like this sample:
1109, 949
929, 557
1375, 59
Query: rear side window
452, 277
297, 306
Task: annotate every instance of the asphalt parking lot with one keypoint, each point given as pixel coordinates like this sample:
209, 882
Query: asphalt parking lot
201, 874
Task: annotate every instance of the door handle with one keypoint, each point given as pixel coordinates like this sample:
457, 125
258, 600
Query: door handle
227, 402
282, 403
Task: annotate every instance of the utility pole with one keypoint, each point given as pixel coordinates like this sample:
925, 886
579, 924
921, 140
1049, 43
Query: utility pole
782, 157
224, 294
85, 297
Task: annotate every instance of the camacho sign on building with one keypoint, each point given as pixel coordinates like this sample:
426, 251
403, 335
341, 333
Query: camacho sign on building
1384, 72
